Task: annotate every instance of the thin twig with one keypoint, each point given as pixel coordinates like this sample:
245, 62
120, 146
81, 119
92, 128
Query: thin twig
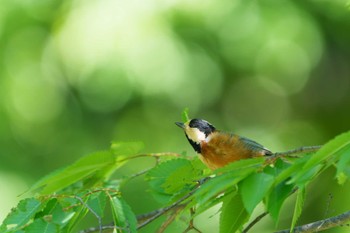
138, 174
330, 198
322, 224
191, 223
255, 221
170, 219
155, 155
160, 212
100, 227
304, 149
93, 229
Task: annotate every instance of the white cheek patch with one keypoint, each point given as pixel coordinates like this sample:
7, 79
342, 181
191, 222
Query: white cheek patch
195, 134
208, 138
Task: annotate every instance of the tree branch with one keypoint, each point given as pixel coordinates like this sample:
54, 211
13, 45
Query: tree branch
303, 149
145, 219
322, 224
255, 221
156, 214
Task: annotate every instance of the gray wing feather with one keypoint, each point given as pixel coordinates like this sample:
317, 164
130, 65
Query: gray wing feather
253, 145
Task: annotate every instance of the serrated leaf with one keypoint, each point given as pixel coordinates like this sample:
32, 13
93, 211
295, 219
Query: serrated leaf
233, 213
60, 216
97, 202
221, 183
78, 209
207, 205
298, 207
254, 188
50, 205
171, 177
39, 225
122, 149
343, 166
123, 216
83, 168
25, 210
79, 213
329, 149
316, 163
291, 170
303, 178
278, 167
180, 179
276, 198
242, 164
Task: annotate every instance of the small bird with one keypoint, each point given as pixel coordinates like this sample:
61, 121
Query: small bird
217, 148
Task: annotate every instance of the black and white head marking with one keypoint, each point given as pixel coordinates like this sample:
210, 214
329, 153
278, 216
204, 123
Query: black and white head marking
198, 130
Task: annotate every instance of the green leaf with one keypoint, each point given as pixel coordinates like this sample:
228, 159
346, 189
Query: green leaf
171, 177
329, 149
76, 211
243, 164
79, 213
220, 183
254, 188
292, 170
206, 205
304, 177
123, 216
83, 168
343, 165
233, 213
60, 216
39, 225
94, 168
298, 206
56, 213
185, 117
123, 149
227, 177
342, 178
25, 210
181, 179
276, 198
97, 202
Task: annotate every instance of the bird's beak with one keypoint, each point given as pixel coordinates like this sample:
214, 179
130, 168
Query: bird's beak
180, 124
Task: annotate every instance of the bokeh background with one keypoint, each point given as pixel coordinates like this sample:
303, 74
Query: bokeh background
76, 75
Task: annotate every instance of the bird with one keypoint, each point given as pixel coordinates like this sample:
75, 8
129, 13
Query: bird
217, 148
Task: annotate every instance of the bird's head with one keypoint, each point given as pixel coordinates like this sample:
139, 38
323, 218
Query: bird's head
196, 130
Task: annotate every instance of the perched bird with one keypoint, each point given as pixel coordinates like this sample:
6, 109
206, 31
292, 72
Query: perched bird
217, 148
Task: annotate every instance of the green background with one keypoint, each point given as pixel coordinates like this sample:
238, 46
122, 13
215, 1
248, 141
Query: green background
76, 75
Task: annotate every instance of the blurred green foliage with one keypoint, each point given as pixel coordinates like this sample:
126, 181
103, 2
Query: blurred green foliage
75, 75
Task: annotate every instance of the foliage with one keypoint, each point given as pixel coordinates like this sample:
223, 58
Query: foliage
67, 196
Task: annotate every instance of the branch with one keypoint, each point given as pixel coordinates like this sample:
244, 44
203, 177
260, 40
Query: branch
155, 155
156, 214
255, 221
100, 227
145, 219
304, 149
321, 225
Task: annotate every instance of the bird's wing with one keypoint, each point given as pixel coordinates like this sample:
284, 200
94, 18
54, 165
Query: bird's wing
252, 145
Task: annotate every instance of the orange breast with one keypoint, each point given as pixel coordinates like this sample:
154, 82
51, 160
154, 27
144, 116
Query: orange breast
225, 148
